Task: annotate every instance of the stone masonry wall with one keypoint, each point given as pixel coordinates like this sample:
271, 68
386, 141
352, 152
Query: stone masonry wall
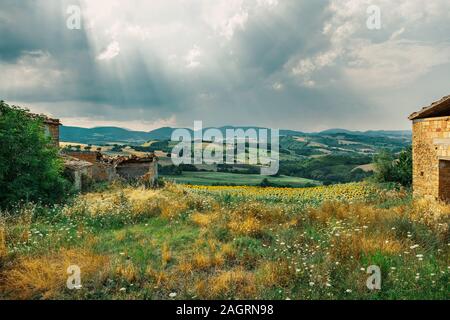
53, 131
101, 172
128, 170
85, 156
131, 171
431, 143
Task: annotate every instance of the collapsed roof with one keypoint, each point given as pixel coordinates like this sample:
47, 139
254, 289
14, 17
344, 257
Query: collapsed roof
135, 159
75, 164
45, 119
116, 160
125, 159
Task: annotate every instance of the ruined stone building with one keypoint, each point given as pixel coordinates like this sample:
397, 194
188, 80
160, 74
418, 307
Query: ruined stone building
51, 127
102, 170
52, 130
77, 170
431, 150
134, 168
82, 166
129, 168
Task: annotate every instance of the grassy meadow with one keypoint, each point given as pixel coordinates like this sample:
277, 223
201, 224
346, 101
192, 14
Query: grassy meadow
183, 242
222, 178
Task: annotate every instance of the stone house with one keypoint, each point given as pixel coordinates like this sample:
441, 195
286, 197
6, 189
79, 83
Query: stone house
431, 150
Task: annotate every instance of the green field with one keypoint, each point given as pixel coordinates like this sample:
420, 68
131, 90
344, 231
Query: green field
221, 178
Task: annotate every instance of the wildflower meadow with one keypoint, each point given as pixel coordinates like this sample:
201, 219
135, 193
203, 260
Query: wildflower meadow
195, 242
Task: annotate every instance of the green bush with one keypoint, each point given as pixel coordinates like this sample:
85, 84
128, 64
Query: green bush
390, 169
30, 169
403, 167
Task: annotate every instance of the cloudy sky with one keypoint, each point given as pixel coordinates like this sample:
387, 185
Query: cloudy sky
297, 64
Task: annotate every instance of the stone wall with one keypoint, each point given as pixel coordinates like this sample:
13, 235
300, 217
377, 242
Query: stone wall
53, 131
77, 171
85, 156
431, 144
78, 177
134, 170
127, 168
153, 172
101, 172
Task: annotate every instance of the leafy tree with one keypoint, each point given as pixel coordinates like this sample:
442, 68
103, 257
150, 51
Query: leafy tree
384, 166
329, 169
403, 167
390, 169
30, 169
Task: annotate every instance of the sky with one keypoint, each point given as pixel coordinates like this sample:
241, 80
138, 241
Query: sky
306, 65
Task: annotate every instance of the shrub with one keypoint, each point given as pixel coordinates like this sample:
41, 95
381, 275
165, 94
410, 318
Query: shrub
389, 169
403, 168
30, 169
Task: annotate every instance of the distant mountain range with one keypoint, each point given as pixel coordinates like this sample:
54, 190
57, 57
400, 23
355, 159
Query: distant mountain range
115, 135
372, 133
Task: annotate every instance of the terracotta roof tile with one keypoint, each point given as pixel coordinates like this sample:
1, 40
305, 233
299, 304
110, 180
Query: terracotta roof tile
438, 108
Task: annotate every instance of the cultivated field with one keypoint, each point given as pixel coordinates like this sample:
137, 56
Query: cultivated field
183, 242
221, 178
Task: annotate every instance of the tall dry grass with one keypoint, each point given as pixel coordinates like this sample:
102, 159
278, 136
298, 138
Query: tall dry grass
45, 277
357, 245
3, 248
236, 283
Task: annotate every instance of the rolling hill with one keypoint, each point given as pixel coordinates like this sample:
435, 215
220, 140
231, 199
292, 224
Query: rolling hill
330, 156
115, 135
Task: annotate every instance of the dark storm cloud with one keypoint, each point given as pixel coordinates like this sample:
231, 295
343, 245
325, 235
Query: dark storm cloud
30, 29
272, 39
37, 25
288, 63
